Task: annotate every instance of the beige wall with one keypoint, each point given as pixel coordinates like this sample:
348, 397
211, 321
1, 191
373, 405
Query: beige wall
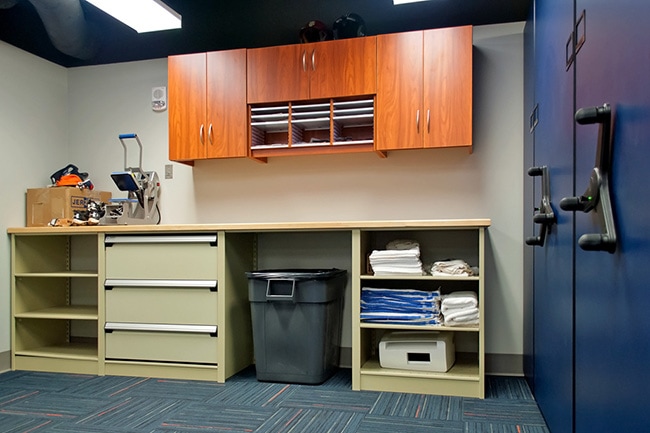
33, 142
104, 101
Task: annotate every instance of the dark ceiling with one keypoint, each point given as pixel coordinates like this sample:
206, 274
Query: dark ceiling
210, 25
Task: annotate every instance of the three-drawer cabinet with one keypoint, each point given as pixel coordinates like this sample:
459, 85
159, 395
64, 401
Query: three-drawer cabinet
161, 300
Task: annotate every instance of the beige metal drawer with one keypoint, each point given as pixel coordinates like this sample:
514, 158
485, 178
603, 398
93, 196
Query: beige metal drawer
169, 301
157, 343
161, 256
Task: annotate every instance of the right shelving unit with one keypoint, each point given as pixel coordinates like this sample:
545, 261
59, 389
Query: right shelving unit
461, 239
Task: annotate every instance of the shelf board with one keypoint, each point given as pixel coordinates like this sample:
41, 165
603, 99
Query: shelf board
80, 351
321, 149
465, 368
71, 312
418, 277
356, 102
352, 142
367, 325
61, 274
272, 126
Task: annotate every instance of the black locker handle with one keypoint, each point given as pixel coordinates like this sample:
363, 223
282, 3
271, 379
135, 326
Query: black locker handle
597, 195
546, 216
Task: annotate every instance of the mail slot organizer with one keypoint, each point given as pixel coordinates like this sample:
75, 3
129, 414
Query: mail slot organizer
423, 351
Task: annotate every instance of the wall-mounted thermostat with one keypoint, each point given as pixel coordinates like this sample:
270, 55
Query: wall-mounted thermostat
159, 98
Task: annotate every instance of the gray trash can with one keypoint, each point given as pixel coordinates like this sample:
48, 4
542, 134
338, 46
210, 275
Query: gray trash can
296, 317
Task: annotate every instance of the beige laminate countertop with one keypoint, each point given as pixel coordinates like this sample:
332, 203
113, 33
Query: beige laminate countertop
259, 227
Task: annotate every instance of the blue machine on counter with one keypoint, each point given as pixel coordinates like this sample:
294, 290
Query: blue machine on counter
143, 192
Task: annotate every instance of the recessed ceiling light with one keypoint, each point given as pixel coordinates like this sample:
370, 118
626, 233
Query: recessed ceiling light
141, 15
401, 2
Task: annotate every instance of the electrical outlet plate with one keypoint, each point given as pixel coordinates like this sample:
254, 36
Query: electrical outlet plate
169, 171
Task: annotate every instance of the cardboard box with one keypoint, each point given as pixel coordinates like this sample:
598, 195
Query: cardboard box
44, 204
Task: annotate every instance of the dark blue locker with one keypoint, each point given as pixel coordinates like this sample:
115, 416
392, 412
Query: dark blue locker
612, 290
531, 198
553, 262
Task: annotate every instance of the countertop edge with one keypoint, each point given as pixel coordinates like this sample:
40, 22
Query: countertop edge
259, 227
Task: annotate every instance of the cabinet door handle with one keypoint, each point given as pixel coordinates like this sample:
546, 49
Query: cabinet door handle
201, 134
313, 60
428, 121
210, 133
417, 120
304, 60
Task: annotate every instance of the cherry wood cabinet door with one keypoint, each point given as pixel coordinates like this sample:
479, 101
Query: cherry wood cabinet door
345, 67
186, 105
226, 119
448, 87
399, 117
277, 74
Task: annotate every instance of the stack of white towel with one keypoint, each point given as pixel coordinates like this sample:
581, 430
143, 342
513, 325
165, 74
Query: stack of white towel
399, 258
446, 268
460, 309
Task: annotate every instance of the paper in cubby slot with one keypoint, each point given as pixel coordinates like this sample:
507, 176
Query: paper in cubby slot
397, 306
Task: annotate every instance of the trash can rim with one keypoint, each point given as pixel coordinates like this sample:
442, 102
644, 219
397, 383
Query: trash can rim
296, 274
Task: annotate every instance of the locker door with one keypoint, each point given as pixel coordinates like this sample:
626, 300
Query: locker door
531, 199
553, 262
612, 346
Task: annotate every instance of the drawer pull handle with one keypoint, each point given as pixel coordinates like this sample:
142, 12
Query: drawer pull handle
110, 283
159, 327
161, 239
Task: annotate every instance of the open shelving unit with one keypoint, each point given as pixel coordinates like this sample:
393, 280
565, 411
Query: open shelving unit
467, 375
56, 303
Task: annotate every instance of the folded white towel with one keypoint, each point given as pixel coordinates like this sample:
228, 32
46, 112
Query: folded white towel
460, 299
395, 262
451, 267
395, 254
460, 317
402, 244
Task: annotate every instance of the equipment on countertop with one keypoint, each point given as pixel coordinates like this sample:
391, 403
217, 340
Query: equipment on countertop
143, 187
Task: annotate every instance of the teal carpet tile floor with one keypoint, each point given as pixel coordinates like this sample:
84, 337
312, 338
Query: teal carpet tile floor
32, 402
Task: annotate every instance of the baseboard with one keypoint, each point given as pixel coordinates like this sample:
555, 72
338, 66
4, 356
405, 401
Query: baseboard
5, 361
504, 364
345, 360
496, 364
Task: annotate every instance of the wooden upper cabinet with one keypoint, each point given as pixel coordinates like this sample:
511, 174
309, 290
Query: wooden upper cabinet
424, 89
399, 91
330, 69
345, 67
207, 105
277, 74
448, 86
227, 114
186, 104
